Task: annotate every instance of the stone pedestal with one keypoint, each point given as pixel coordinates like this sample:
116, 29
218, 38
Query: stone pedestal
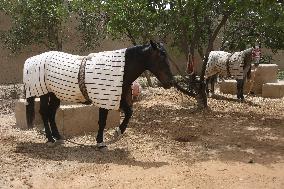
273, 90
264, 73
72, 120
20, 114
230, 87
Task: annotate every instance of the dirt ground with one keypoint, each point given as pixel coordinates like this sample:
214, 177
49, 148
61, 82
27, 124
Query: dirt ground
169, 144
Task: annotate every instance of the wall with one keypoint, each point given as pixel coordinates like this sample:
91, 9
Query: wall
11, 65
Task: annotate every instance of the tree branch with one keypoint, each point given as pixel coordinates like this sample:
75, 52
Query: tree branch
211, 42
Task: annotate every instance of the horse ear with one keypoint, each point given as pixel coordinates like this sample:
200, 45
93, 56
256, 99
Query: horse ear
154, 45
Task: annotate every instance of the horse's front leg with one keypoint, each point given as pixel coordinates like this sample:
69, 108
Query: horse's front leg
126, 107
102, 123
240, 89
206, 86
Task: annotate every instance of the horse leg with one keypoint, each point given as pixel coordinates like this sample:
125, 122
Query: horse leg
44, 112
54, 104
213, 81
206, 85
30, 111
102, 123
127, 109
240, 89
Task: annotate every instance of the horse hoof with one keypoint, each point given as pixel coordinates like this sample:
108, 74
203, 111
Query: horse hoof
117, 132
102, 148
50, 143
60, 141
117, 135
101, 145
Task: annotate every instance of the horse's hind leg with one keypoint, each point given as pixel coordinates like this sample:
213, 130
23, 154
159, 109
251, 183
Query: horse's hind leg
44, 111
30, 111
102, 123
54, 104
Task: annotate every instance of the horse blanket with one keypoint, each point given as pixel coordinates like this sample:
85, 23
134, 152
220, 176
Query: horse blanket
58, 72
227, 64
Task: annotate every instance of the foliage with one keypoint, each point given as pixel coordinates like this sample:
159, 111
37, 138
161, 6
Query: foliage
189, 25
261, 21
92, 22
35, 22
138, 20
280, 75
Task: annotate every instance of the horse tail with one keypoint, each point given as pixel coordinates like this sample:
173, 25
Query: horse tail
30, 111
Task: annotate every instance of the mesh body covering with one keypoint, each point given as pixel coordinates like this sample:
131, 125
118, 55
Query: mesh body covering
227, 64
57, 72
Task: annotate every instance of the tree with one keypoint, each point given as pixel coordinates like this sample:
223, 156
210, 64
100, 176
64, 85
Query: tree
136, 20
92, 21
35, 22
263, 22
195, 25
46, 22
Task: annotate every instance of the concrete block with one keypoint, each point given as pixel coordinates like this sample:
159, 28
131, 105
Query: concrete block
273, 90
20, 113
80, 119
71, 119
265, 73
230, 87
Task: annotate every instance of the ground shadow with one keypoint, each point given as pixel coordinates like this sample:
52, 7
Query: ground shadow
83, 154
227, 136
221, 97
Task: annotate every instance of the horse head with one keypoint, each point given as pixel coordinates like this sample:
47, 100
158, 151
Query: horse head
158, 64
251, 56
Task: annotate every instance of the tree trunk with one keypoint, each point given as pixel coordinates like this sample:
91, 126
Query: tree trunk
211, 42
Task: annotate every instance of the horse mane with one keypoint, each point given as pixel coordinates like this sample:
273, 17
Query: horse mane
247, 51
137, 49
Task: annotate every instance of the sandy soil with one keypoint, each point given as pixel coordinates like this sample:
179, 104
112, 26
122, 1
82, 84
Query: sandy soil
168, 144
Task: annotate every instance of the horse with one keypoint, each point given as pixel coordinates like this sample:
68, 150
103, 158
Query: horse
236, 65
50, 83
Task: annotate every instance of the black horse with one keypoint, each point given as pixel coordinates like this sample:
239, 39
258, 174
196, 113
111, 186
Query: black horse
152, 57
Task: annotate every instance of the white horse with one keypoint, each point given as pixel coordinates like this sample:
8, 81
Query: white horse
235, 65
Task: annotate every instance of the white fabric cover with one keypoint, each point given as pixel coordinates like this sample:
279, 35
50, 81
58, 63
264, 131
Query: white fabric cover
217, 61
57, 72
